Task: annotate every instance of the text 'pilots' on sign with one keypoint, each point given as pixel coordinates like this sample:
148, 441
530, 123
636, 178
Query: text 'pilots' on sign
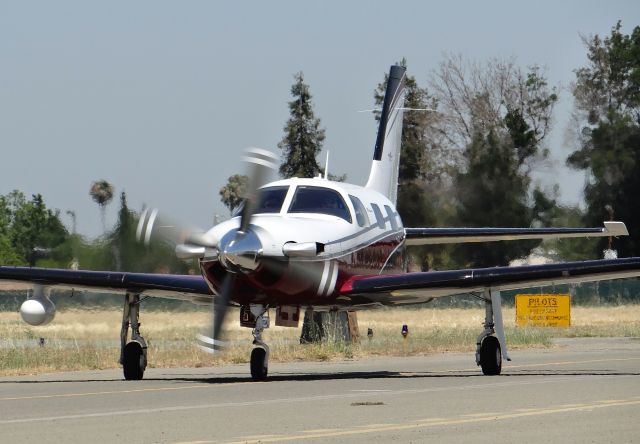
543, 310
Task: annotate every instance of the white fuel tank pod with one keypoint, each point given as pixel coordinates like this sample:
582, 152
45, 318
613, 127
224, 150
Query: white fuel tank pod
38, 310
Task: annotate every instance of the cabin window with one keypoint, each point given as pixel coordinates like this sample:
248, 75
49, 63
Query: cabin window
392, 217
361, 212
319, 200
379, 216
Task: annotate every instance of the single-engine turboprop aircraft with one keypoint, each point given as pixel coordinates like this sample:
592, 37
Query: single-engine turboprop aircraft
311, 242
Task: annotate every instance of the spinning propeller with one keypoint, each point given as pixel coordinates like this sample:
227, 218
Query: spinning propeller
238, 251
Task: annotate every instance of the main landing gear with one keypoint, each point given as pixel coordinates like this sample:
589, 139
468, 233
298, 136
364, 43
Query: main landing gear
133, 354
260, 353
491, 345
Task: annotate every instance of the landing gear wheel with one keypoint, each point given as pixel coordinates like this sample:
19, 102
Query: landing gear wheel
490, 356
134, 361
258, 364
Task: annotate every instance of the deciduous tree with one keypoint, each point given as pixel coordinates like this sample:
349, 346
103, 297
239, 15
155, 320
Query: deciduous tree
496, 117
31, 231
493, 96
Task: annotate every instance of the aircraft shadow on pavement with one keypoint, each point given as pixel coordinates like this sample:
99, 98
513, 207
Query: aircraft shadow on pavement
281, 377
302, 377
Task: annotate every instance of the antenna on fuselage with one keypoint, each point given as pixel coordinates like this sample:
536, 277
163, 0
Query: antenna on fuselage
326, 167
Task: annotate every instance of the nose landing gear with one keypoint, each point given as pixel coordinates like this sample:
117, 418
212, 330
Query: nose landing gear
260, 354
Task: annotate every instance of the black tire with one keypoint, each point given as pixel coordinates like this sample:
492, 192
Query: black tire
258, 365
133, 362
490, 356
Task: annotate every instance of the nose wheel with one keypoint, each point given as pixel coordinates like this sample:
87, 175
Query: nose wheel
259, 363
134, 361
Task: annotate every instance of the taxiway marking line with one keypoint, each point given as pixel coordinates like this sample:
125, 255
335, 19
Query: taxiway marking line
232, 384
111, 392
371, 391
429, 423
506, 365
311, 398
589, 361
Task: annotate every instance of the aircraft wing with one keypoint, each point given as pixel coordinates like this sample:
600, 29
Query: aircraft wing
432, 236
417, 287
164, 285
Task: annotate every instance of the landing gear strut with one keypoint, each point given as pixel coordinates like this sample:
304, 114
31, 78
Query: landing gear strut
260, 352
133, 354
491, 345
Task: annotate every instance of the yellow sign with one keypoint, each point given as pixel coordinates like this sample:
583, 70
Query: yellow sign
543, 310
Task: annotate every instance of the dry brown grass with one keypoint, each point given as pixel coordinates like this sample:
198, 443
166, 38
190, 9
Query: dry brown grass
84, 339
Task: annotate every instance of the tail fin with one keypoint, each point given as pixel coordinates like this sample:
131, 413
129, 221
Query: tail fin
386, 157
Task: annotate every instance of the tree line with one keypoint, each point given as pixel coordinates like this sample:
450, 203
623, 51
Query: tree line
33, 235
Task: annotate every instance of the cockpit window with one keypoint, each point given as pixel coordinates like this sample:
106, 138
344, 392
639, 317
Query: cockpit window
271, 199
319, 200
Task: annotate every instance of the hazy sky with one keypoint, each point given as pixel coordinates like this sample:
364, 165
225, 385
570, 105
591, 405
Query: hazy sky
159, 98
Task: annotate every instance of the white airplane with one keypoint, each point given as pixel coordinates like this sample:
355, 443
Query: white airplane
316, 243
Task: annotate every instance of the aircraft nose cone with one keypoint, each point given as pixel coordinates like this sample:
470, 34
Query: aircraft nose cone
241, 252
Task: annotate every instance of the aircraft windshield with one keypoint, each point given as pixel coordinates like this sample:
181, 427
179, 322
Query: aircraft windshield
271, 199
319, 200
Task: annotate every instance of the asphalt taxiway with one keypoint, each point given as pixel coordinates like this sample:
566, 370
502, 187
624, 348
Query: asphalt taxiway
582, 390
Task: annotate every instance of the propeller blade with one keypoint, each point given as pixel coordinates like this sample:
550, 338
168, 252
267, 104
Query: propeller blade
212, 341
261, 163
154, 226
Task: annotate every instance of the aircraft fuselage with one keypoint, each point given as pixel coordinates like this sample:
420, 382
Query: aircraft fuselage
307, 238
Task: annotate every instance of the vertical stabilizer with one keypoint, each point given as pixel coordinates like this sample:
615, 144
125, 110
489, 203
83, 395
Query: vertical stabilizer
386, 156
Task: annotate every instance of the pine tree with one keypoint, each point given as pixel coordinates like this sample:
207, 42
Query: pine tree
303, 137
122, 239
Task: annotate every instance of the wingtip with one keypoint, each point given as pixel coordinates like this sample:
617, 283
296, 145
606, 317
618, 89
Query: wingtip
616, 228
